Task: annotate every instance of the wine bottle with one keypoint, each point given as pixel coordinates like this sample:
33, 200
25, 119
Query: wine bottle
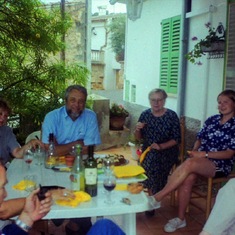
91, 173
77, 174
51, 157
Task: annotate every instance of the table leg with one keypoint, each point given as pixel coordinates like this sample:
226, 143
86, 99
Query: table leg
129, 223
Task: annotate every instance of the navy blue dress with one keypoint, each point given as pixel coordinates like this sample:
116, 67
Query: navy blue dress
158, 164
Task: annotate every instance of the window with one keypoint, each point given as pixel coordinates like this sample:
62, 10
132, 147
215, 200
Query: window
170, 46
127, 90
133, 93
230, 60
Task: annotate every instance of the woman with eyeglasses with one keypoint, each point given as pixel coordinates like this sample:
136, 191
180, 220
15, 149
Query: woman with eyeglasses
159, 128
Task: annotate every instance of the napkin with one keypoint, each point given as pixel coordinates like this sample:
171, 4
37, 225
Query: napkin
80, 196
128, 171
143, 155
22, 184
121, 187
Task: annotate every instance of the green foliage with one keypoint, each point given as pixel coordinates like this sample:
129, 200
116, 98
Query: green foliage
117, 28
31, 79
118, 111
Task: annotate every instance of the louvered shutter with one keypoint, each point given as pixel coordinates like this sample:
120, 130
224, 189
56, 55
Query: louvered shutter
170, 46
230, 67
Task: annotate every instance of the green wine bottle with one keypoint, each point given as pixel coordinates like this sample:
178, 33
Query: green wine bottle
77, 173
91, 173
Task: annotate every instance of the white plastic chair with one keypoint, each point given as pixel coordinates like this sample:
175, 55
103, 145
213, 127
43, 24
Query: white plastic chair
33, 135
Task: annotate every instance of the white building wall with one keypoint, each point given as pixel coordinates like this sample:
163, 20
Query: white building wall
143, 48
99, 41
203, 83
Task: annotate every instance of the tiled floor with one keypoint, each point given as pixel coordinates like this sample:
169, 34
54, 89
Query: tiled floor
154, 225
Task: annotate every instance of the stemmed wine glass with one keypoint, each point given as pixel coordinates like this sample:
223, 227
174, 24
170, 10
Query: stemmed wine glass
109, 184
28, 157
108, 166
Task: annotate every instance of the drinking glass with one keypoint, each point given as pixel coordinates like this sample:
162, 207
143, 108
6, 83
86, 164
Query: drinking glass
39, 155
30, 183
28, 157
109, 184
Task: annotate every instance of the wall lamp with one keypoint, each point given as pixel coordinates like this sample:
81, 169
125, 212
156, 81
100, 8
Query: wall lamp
133, 8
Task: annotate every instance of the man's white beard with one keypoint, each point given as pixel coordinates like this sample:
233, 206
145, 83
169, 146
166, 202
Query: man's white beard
73, 115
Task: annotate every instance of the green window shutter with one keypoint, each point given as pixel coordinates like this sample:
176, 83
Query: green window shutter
170, 46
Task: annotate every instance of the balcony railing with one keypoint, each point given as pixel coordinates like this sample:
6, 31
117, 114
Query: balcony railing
97, 56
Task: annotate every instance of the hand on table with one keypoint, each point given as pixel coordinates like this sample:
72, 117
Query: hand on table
62, 194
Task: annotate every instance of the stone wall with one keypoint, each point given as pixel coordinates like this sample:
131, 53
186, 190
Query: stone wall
108, 138
97, 76
75, 38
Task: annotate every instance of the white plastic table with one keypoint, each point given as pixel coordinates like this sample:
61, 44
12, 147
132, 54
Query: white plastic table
94, 208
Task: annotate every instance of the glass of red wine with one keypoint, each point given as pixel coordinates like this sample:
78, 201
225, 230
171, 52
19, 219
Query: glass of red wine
109, 184
28, 157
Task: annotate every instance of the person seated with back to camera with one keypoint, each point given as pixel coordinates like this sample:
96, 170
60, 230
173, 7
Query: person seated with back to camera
222, 217
72, 124
211, 156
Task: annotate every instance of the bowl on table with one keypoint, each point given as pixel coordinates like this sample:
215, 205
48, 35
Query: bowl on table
69, 160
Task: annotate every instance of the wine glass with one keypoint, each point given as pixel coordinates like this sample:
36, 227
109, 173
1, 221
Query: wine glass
28, 157
109, 184
108, 165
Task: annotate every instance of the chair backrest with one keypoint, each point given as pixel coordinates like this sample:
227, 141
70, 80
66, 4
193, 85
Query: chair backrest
33, 135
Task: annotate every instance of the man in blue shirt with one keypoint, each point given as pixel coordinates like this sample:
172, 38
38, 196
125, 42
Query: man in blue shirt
72, 124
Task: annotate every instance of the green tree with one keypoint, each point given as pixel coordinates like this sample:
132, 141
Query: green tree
32, 77
117, 29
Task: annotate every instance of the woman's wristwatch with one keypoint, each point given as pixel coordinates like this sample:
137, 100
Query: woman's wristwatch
206, 156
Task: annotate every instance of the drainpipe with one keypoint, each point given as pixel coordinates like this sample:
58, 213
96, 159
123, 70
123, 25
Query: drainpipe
183, 61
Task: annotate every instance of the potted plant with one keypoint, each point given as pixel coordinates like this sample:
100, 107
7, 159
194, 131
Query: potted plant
118, 116
214, 41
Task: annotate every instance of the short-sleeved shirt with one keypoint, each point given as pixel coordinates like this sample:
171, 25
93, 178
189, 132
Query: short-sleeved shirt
65, 130
8, 143
218, 137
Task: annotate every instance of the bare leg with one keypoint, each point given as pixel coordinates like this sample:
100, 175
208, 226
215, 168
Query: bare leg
200, 166
184, 194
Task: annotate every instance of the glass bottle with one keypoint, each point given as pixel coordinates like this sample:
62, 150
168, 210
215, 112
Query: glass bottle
77, 173
91, 173
51, 158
